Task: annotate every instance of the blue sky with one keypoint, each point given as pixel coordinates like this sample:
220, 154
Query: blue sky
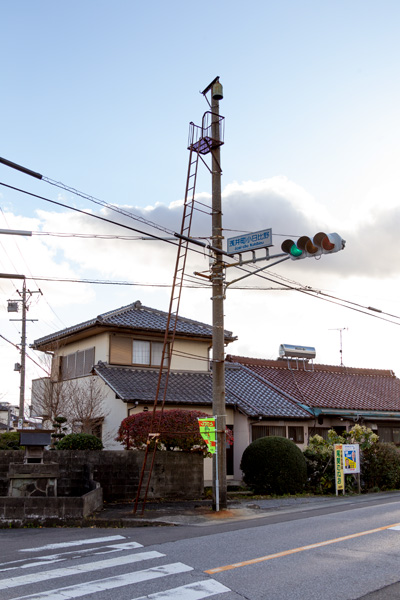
99, 95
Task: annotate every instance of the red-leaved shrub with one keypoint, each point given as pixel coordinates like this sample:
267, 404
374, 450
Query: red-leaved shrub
178, 430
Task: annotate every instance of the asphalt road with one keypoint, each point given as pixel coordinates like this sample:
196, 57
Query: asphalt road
335, 555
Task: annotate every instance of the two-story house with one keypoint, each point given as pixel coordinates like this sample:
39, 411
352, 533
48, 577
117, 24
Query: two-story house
121, 351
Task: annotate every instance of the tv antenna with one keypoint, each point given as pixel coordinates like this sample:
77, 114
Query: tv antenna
340, 329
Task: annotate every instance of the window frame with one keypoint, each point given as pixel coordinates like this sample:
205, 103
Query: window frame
77, 364
147, 354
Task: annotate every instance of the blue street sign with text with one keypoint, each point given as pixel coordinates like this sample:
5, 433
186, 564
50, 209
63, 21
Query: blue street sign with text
249, 241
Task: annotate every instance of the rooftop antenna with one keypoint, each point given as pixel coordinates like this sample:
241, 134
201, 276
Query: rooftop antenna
341, 329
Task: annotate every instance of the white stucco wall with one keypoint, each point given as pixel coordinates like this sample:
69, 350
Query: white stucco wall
190, 356
100, 342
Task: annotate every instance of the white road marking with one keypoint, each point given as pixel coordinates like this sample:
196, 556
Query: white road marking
192, 591
85, 568
110, 538
50, 558
110, 583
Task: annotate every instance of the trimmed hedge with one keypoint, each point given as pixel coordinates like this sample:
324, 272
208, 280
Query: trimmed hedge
80, 441
380, 467
274, 465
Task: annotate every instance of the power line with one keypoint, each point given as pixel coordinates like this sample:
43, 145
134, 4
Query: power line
111, 207
156, 237
327, 297
78, 210
30, 358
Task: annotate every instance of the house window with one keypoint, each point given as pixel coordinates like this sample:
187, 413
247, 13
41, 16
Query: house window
77, 364
323, 431
296, 434
147, 353
259, 431
389, 434
127, 351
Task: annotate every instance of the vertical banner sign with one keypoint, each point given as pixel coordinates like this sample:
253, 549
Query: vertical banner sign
339, 475
351, 458
207, 432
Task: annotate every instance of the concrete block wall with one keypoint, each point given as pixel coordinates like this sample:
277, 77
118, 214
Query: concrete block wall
176, 475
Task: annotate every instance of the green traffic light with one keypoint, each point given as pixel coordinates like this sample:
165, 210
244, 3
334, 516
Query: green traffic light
295, 251
290, 247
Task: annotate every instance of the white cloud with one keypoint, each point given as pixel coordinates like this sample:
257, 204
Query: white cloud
366, 272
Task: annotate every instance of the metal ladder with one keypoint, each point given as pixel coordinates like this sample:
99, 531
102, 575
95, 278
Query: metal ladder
172, 318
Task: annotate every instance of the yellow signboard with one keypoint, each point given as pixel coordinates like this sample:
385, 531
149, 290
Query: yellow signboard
207, 432
339, 474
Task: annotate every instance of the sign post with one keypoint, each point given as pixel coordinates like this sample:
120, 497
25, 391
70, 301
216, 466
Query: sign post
351, 460
347, 461
339, 475
208, 433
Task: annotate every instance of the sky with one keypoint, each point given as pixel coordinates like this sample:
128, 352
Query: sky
98, 95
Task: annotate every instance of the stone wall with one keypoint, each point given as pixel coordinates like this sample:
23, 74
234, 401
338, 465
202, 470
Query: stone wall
20, 510
176, 475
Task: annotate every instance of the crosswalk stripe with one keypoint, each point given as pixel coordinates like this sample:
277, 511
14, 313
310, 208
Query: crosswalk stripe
192, 591
109, 538
77, 570
100, 585
52, 558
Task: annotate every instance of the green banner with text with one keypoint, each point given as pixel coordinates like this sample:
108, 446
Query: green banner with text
207, 432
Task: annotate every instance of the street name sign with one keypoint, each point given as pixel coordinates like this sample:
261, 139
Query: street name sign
249, 241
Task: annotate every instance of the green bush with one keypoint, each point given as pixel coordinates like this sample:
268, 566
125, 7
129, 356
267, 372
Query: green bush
380, 467
274, 465
80, 441
320, 470
319, 458
10, 441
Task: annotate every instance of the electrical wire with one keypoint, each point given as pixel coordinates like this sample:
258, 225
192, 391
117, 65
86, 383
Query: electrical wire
111, 207
26, 354
327, 298
104, 219
78, 210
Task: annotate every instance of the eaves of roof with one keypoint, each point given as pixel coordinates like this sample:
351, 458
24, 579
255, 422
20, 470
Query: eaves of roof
133, 317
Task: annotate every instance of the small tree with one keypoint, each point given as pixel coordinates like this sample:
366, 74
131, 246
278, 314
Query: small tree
9, 440
60, 430
80, 401
87, 410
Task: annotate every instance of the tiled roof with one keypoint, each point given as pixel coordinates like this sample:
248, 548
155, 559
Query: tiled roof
244, 390
132, 384
138, 317
329, 387
256, 398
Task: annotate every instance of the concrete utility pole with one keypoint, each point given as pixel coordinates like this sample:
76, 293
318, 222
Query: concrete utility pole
217, 279
23, 335
23, 354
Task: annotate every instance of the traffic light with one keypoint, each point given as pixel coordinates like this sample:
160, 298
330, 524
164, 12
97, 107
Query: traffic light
321, 243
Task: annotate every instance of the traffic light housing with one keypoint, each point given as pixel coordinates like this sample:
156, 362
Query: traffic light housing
321, 243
